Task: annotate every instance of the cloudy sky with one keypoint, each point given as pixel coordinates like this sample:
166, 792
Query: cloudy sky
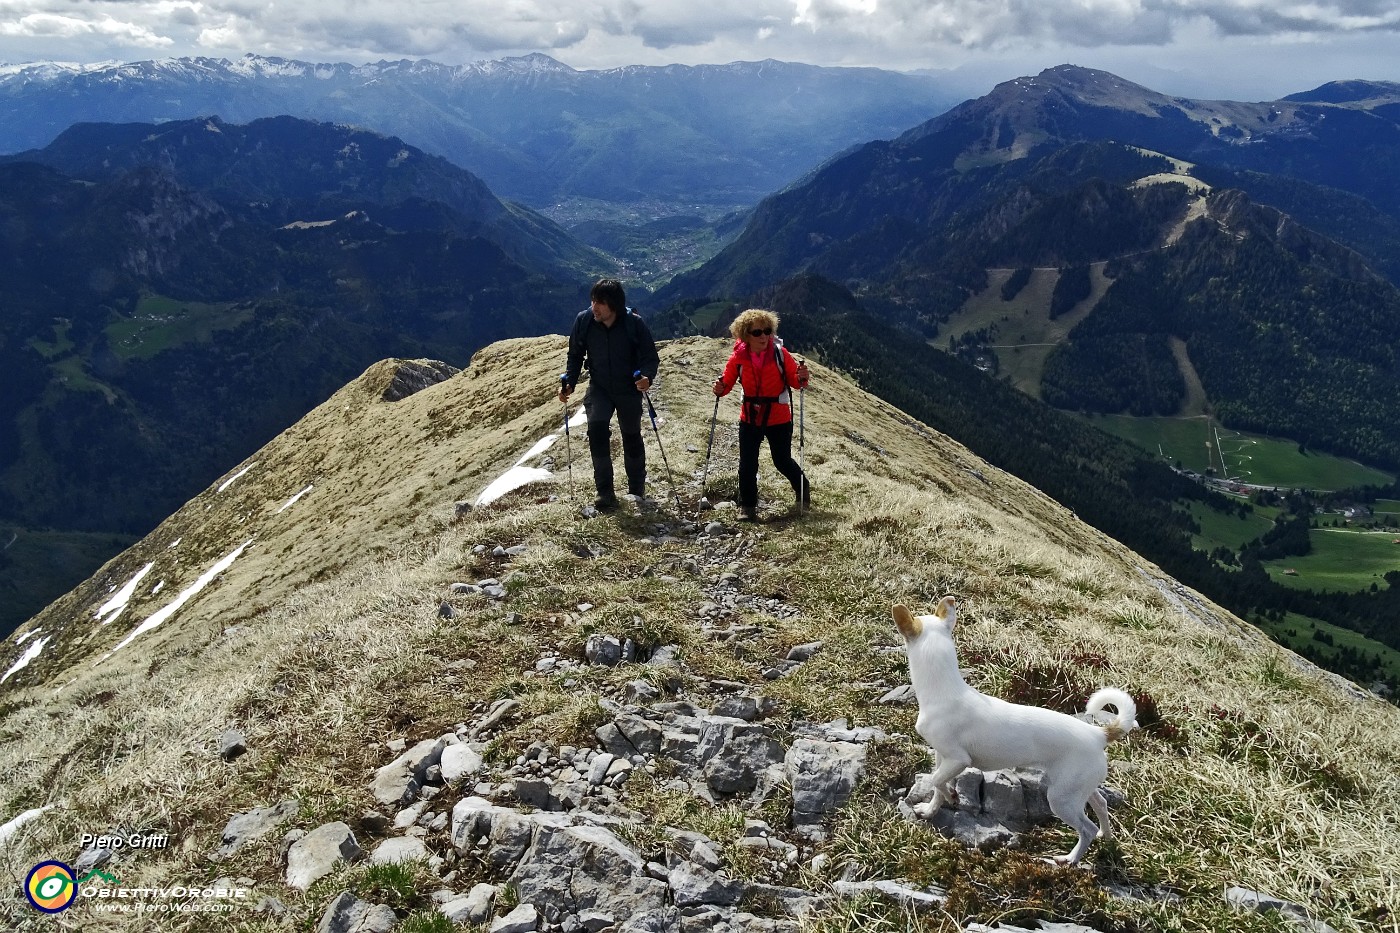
1243, 49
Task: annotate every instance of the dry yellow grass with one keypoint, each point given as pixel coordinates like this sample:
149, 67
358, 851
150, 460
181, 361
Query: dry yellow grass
323, 641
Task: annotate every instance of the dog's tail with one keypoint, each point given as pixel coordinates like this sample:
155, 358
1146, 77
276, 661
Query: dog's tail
1127, 711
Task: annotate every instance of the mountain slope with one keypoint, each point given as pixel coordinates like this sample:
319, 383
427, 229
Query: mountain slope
190, 290
322, 637
533, 128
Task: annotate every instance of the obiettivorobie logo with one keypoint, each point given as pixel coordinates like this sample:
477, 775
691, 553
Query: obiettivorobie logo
53, 886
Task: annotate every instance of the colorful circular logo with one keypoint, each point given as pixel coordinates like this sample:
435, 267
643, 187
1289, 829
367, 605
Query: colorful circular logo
51, 887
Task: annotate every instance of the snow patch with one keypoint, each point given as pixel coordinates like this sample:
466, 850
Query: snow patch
185, 596
230, 481
26, 636
513, 478
540, 447
28, 816
114, 606
24, 659
292, 501
521, 475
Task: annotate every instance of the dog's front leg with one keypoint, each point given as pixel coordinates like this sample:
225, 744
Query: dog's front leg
950, 765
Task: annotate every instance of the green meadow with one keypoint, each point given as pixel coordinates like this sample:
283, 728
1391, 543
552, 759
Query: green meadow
1253, 458
160, 323
1341, 559
1220, 530
1024, 332
36, 564
1296, 631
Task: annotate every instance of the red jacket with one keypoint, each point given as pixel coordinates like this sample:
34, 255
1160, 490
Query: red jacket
763, 385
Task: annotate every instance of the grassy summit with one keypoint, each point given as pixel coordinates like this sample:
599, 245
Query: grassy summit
324, 639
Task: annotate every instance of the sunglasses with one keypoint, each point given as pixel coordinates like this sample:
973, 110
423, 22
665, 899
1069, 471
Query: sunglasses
761, 333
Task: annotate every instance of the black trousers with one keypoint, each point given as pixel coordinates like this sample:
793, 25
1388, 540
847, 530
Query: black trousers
779, 437
601, 406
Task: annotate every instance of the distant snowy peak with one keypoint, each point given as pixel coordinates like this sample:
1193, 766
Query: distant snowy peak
536, 63
259, 67
252, 67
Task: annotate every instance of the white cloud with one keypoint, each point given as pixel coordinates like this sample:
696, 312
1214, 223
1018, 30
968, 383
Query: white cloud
46, 25
608, 33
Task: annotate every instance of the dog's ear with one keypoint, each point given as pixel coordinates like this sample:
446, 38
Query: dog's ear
947, 611
909, 626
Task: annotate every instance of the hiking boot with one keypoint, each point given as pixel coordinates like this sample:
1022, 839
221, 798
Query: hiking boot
748, 513
606, 503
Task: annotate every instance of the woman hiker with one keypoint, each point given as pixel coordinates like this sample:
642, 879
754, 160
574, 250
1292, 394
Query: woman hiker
768, 374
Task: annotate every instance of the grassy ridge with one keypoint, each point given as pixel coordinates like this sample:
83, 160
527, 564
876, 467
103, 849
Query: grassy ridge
325, 640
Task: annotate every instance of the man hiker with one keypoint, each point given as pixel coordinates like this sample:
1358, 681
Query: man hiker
622, 362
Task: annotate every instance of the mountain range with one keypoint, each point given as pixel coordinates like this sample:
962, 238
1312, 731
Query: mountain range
1146, 275
1287, 313
532, 128
177, 295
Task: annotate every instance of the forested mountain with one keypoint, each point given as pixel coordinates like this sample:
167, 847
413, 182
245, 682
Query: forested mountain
280, 170
532, 128
1290, 332
175, 296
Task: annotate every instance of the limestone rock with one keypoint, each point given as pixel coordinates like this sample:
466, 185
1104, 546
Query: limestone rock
400, 780
245, 827
822, 775
315, 855
399, 849
348, 914
523, 919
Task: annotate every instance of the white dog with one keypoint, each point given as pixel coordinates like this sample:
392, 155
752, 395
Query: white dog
970, 729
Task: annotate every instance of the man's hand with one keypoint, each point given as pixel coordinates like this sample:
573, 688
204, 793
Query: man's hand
565, 390
643, 383
718, 387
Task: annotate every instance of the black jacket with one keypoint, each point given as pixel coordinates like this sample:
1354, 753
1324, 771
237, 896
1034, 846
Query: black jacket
614, 353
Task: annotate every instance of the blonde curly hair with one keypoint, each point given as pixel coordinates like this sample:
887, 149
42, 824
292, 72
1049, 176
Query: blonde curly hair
754, 317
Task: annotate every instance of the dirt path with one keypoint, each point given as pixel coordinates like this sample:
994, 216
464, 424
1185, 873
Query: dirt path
1196, 401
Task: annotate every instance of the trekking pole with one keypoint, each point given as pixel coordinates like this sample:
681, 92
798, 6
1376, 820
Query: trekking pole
651, 410
709, 446
568, 440
802, 495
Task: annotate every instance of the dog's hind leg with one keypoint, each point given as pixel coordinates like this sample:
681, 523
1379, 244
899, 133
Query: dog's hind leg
1068, 805
1100, 805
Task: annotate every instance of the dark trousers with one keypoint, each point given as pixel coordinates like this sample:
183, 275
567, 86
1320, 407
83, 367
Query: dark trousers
779, 437
601, 406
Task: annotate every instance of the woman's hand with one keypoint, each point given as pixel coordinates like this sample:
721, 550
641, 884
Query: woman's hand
718, 388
